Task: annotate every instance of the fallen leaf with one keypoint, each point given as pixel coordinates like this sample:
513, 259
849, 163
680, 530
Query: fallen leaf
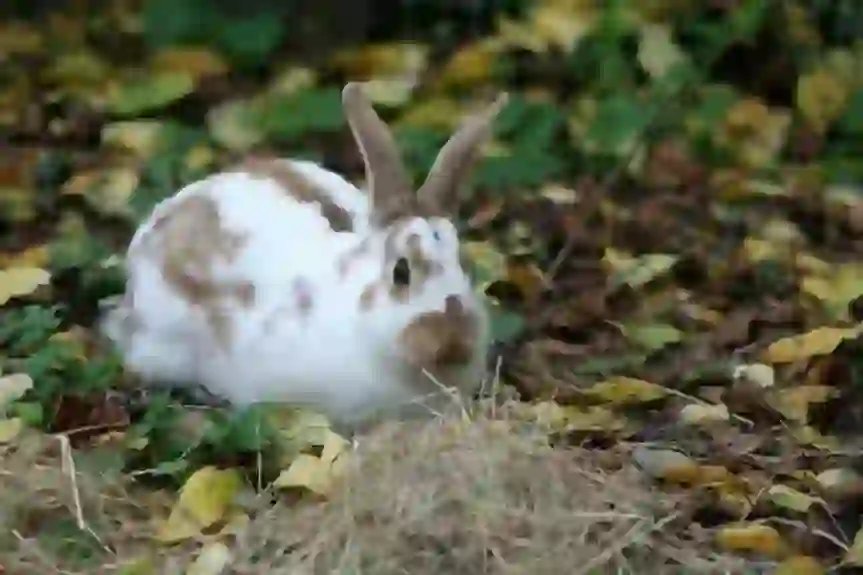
789, 498
306, 471
147, 92
840, 482
196, 62
854, 556
13, 387
652, 337
637, 271
21, 281
800, 565
235, 125
760, 374
625, 390
139, 136
471, 64
10, 428
697, 413
107, 190
204, 499
382, 59
821, 98
212, 560
750, 537
820, 341
837, 290
666, 464
794, 402
657, 51
488, 263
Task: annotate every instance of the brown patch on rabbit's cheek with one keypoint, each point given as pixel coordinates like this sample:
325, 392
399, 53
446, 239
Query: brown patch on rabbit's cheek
300, 188
440, 340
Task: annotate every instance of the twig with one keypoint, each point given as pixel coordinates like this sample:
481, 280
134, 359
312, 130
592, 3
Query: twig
631, 535
67, 465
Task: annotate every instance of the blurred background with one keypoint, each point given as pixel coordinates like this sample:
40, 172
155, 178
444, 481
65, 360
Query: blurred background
675, 184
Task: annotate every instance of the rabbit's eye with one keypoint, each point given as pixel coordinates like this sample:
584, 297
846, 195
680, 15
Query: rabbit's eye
436, 235
402, 272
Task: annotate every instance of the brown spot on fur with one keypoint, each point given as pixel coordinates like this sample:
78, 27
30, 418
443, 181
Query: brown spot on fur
439, 340
300, 188
367, 297
189, 239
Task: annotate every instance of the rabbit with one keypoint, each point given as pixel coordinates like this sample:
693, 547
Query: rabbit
280, 281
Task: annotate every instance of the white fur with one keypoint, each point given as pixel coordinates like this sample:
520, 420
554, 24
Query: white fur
338, 358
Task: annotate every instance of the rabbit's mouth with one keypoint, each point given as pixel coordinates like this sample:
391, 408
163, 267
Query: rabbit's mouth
441, 340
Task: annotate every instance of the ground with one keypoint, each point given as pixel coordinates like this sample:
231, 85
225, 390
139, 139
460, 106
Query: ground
666, 223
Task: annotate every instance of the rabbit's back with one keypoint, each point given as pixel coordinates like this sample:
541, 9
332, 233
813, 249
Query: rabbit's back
216, 259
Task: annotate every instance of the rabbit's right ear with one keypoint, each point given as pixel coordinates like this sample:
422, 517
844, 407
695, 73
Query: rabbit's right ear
390, 187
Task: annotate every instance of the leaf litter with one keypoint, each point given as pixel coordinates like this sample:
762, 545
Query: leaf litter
668, 248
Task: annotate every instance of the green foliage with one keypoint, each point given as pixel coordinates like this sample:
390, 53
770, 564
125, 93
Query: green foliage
289, 118
247, 39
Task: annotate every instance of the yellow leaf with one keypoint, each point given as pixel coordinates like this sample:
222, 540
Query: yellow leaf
212, 560
33, 257
488, 262
19, 38
204, 499
392, 92
438, 113
696, 413
789, 498
382, 59
652, 337
13, 387
667, 465
854, 556
17, 282
840, 482
800, 565
334, 446
794, 402
657, 52
139, 136
754, 132
760, 374
837, 289
10, 428
622, 390
306, 471
107, 190
549, 25
197, 63
637, 271
751, 537
821, 98
234, 124
470, 65
293, 79
820, 341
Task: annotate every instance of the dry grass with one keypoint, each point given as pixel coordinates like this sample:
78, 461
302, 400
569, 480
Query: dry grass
445, 496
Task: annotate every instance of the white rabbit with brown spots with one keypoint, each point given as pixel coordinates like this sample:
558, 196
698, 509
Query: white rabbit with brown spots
280, 281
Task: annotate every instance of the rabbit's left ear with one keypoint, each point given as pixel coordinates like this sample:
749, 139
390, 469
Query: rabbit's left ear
388, 182
440, 193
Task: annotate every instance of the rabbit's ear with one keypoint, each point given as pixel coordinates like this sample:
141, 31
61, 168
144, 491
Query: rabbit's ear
388, 182
440, 193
